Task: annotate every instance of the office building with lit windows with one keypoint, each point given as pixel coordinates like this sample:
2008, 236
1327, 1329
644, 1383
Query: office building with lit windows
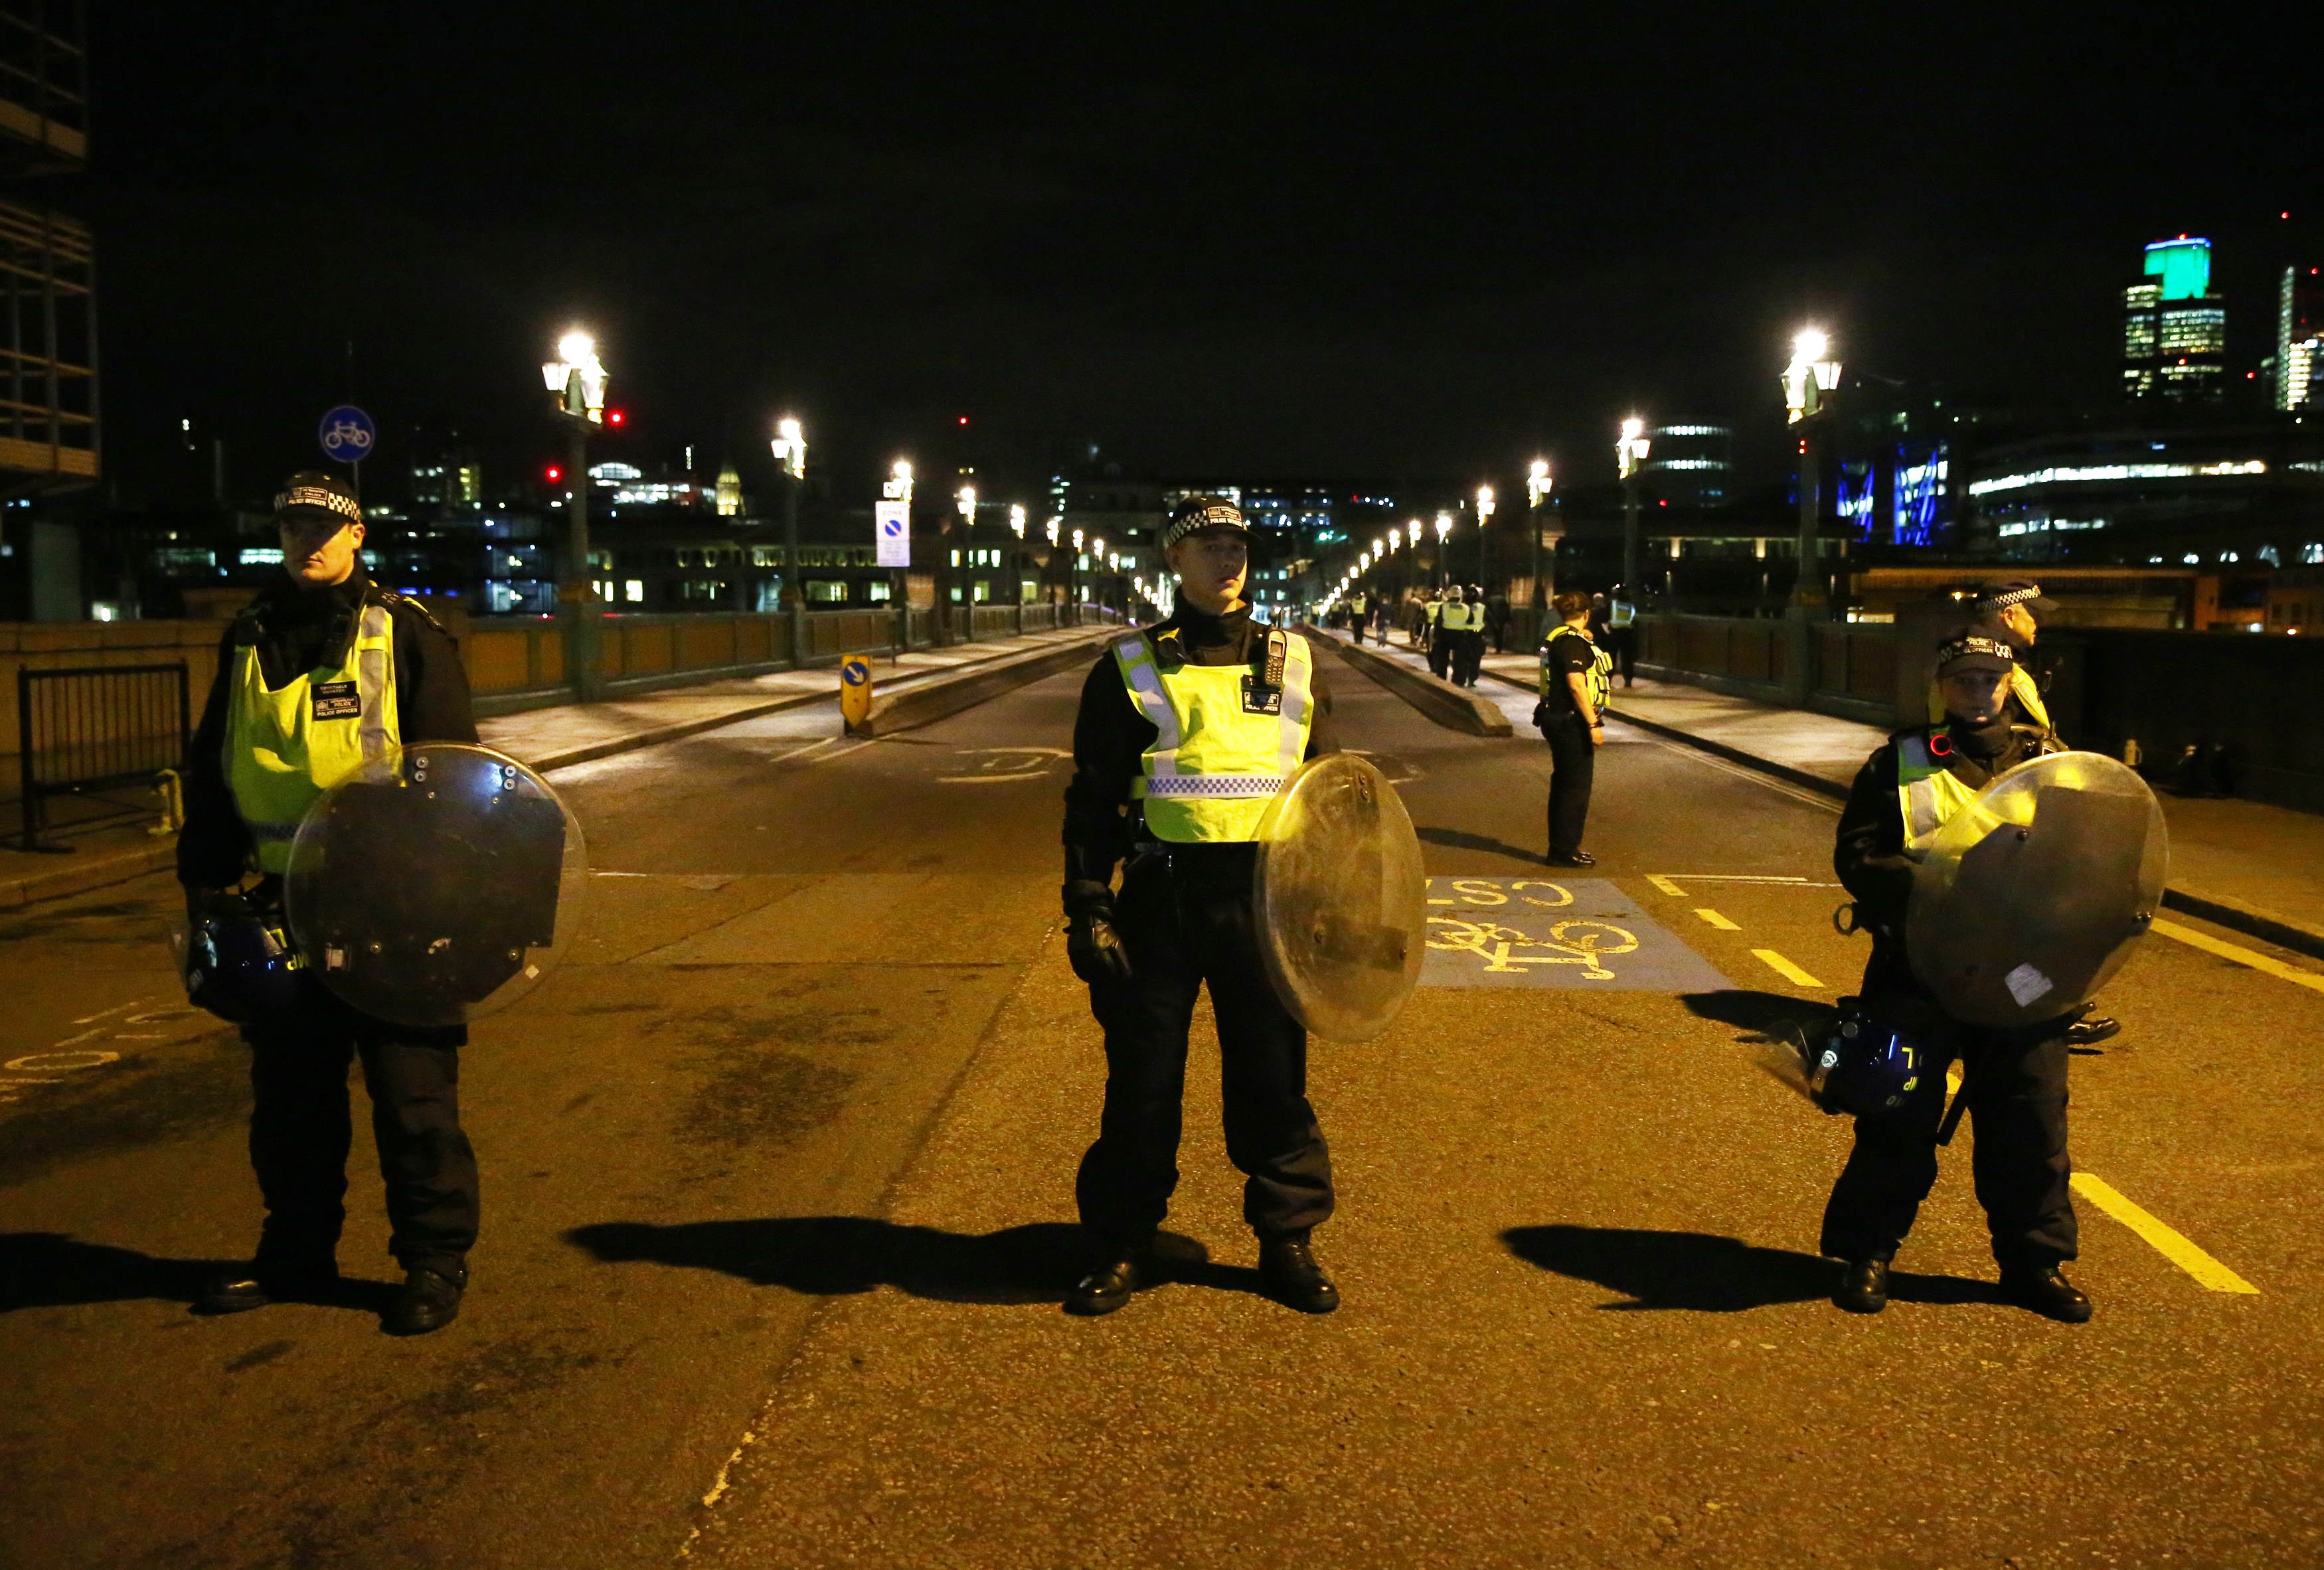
2175, 333
1689, 466
2230, 496
2300, 339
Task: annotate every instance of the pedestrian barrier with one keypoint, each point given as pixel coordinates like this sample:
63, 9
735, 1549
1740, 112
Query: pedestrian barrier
87, 728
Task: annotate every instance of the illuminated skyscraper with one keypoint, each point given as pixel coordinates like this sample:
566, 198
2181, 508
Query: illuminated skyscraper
2175, 335
1690, 465
2300, 339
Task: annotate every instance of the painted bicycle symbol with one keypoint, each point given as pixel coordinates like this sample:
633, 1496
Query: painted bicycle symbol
346, 436
1569, 942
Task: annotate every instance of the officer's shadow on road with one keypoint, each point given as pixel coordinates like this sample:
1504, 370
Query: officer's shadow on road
839, 1255
1463, 840
1707, 1273
49, 1269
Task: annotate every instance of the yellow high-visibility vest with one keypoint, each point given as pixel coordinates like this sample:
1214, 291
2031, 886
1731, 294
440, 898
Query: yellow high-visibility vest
1928, 794
286, 745
1224, 741
1596, 679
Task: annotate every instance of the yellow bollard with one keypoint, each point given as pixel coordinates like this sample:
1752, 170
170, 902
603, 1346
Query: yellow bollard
854, 690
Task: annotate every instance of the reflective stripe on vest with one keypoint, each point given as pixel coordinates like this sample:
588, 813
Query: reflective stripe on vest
1927, 793
1214, 767
278, 758
1596, 679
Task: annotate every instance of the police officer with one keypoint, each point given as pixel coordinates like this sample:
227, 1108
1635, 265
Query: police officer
320, 673
1622, 638
1185, 731
1470, 657
2016, 606
1572, 717
1446, 618
2014, 1081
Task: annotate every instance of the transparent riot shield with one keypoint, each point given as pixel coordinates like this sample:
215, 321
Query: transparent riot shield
2031, 898
1340, 898
437, 885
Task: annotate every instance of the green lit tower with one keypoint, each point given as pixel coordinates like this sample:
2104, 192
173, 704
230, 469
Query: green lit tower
2175, 335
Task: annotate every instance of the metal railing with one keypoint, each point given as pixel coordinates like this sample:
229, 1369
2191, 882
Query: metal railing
89, 728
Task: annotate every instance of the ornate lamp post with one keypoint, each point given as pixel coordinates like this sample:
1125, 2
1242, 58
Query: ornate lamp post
1536, 495
1629, 454
577, 378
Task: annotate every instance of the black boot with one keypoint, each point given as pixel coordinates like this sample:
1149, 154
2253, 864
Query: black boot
243, 1287
429, 1300
2048, 1293
1572, 858
1863, 1287
2091, 1029
1122, 1271
1294, 1278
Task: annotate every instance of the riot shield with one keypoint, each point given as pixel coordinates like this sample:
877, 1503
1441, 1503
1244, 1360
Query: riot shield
1340, 898
436, 886
2029, 899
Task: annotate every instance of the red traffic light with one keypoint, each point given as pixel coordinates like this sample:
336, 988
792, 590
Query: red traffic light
555, 473
614, 417
964, 419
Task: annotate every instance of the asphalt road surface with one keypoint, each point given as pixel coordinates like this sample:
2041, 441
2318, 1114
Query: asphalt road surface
778, 1179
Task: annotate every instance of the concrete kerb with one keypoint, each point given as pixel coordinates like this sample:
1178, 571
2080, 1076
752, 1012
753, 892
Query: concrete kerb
2217, 909
924, 702
1455, 708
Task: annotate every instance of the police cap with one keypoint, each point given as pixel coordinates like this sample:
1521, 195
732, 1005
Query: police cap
1993, 598
311, 496
1200, 512
1977, 646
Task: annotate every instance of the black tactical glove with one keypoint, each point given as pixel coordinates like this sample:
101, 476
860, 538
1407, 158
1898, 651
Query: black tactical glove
1094, 948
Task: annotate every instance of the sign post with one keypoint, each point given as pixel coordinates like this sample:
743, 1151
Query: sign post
854, 691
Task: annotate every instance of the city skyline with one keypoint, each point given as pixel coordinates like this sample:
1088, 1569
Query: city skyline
1201, 247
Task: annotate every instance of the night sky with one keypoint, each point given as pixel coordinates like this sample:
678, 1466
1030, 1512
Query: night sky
1367, 242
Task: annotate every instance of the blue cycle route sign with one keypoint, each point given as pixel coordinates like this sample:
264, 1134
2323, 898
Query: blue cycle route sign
346, 434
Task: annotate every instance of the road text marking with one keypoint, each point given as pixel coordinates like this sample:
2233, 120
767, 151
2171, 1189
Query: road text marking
2168, 1243
1786, 969
1712, 918
1665, 884
2240, 955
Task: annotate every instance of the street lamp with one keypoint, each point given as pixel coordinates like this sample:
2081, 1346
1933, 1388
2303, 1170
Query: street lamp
1811, 375
1443, 534
1537, 494
577, 378
1630, 456
790, 455
1486, 507
897, 487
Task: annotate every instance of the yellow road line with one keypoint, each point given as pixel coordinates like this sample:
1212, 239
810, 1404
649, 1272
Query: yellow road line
1714, 919
1665, 884
2168, 1243
2239, 954
1786, 969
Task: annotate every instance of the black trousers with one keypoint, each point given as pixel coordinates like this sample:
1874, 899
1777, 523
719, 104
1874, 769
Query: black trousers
1622, 643
2015, 1082
1440, 651
1186, 919
1468, 658
300, 1131
1572, 765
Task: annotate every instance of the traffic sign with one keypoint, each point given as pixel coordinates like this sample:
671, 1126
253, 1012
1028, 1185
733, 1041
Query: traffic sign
346, 434
854, 690
893, 531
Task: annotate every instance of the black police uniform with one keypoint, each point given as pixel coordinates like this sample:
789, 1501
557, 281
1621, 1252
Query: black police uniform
1573, 750
2014, 1080
300, 1130
1184, 915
